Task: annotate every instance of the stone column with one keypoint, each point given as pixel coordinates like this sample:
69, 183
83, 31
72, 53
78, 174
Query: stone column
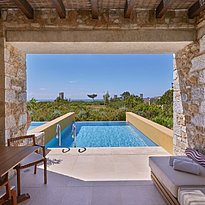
188, 93
15, 92
2, 88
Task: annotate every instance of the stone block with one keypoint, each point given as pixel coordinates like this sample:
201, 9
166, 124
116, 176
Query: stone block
7, 82
10, 70
21, 73
22, 119
177, 130
202, 107
10, 122
197, 93
194, 108
10, 96
178, 108
16, 88
174, 139
180, 119
198, 63
198, 120
202, 44
201, 76
22, 97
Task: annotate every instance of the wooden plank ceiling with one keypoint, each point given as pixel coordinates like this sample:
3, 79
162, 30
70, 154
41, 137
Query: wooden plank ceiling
193, 7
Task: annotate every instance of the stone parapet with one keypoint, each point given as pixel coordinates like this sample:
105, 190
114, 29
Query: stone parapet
49, 129
159, 134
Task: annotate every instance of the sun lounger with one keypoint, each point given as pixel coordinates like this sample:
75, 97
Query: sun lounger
170, 181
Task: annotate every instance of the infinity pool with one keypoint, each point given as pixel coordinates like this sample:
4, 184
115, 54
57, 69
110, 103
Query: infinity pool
102, 134
35, 124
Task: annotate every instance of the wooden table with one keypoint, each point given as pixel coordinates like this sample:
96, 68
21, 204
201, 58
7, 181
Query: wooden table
10, 157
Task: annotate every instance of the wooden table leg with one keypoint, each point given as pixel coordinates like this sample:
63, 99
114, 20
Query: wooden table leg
20, 197
23, 197
18, 172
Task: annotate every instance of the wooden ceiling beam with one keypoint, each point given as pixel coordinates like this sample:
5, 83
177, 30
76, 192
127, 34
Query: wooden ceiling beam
196, 8
60, 8
25, 7
94, 7
163, 7
129, 8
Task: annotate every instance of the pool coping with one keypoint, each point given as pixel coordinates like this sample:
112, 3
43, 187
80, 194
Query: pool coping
49, 128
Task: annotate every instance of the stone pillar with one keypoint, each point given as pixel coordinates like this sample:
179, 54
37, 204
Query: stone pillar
188, 93
15, 92
2, 88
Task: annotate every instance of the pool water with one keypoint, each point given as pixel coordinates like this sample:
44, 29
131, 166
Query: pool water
102, 134
35, 124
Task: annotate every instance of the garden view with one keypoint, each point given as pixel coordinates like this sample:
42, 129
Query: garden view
108, 109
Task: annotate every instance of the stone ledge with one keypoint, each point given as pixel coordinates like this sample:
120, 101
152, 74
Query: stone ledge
50, 127
157, 133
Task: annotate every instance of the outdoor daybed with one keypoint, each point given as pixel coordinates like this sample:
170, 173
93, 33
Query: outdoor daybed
172, 183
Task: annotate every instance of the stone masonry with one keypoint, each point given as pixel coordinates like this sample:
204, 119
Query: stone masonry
13, 115
2, 89
189, 94
15, 92
189, 68
186, 97
13, 61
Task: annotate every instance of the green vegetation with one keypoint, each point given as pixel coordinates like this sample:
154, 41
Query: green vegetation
110, 109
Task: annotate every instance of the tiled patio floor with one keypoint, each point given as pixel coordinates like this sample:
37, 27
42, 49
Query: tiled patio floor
118, 176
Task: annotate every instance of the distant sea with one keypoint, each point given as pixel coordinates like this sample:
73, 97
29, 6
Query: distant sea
72, 100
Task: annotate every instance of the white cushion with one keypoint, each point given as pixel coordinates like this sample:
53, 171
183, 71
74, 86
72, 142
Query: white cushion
191, 197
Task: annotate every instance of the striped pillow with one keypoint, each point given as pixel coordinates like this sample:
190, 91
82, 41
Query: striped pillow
196, 156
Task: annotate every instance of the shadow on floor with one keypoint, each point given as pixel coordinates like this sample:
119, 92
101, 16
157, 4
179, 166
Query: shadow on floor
62, 189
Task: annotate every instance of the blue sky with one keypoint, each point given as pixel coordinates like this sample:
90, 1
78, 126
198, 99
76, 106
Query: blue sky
80, 74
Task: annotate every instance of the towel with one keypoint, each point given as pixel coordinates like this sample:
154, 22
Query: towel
185, 166
183, 158
191, 197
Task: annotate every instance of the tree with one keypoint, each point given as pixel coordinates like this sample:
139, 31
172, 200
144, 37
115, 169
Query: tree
166, 99
106, 98
92, 96
33, 100
125, 94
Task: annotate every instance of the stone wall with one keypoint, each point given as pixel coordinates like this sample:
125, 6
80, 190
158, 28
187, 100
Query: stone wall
15, 92
189, 74
186, 94
189, 94
2, 88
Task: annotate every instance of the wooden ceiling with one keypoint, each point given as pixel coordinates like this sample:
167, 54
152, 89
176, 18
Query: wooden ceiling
193, 7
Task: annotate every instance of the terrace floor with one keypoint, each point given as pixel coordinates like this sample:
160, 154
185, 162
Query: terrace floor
97, 176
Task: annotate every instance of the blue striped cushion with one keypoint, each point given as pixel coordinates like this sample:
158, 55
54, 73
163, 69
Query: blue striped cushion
196, 156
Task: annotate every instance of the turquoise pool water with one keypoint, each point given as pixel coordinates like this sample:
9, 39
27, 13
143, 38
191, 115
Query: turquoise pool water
102, 134
35, 124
